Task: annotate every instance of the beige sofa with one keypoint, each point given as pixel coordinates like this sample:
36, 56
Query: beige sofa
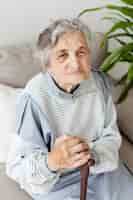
125, 122
17, 66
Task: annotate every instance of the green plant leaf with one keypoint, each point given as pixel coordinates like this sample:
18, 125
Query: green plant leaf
115, 15
128, 11
121, 17
90, 10
123, 9
121, 35
127, 48
113, 19
130, 72
120, 41
108, 53
110, 61
129, 2
127, 58
119, 25
116, 26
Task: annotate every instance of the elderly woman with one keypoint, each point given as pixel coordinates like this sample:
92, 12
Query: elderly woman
65, 117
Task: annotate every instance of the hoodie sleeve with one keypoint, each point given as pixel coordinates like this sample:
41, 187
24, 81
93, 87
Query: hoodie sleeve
106, 148
27, 159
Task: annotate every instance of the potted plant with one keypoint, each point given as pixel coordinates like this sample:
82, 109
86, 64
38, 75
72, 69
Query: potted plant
121, 31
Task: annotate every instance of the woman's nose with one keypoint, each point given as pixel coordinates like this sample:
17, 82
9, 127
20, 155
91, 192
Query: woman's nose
74, 63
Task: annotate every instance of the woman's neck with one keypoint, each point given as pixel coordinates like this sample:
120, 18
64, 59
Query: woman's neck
67, 88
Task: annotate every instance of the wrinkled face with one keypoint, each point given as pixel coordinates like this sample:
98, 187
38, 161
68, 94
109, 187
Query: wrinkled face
69, 60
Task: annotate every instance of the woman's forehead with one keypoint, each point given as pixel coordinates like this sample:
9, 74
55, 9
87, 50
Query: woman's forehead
71, 40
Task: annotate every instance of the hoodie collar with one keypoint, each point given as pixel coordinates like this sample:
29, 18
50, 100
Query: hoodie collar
86, 86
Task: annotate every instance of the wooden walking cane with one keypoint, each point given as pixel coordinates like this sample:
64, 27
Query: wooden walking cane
84, 173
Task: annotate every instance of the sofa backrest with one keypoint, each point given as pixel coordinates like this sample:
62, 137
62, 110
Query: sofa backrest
18, 63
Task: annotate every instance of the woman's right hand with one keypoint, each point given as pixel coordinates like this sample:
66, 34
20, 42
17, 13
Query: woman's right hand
68, 152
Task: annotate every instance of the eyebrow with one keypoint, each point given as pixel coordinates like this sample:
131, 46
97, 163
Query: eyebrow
65, 50
61, 51
84, 47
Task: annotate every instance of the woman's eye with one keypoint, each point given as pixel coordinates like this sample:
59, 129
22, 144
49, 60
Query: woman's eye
62, 55
82, 53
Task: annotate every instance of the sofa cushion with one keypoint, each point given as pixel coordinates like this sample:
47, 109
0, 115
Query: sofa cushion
8, 98
9, 189
18, 63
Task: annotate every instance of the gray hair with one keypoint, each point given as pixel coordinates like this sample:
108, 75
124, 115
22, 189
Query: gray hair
49, 37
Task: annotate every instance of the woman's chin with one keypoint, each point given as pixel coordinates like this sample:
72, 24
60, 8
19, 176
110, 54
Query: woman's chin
78, 79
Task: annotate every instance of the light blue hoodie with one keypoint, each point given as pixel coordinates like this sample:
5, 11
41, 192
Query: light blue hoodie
45, 112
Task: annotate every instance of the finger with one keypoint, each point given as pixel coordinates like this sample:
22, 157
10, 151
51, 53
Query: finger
62, 138
80, 156
73, 141
79, 162
78, 138
79, 148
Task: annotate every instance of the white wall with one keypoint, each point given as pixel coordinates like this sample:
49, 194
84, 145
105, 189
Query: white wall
22, 20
